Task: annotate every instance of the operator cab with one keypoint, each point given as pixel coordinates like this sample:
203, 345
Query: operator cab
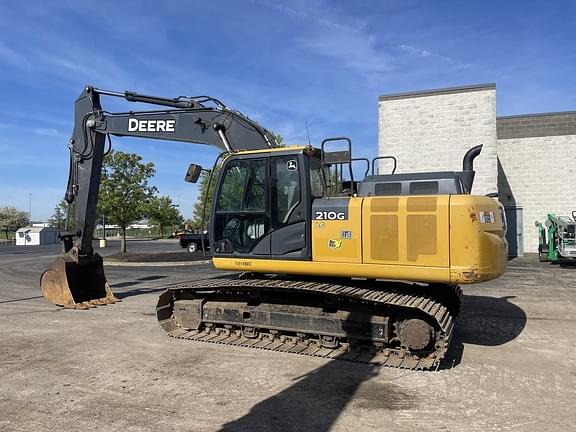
263, 203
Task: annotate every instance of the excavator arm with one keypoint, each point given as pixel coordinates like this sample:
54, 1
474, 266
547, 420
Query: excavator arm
188, 120
77, 279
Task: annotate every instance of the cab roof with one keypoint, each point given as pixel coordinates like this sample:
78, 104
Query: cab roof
288, 149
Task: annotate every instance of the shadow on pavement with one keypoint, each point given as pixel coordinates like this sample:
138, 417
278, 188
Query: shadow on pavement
316, 400
137, 282
125, 284
20, 299
138, 291
151, 278
487, 321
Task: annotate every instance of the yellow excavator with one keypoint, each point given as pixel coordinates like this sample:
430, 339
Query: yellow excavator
327, 265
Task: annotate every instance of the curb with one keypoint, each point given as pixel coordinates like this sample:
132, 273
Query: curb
154, 264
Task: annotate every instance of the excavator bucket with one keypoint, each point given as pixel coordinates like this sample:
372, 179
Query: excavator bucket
76, 285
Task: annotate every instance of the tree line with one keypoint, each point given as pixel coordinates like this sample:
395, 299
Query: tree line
11, 219
125, 197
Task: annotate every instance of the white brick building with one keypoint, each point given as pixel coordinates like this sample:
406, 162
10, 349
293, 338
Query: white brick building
530, 160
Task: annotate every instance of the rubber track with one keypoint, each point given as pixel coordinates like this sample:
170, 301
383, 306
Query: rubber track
356, 291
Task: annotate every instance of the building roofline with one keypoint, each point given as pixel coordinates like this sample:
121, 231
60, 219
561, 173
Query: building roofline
439, 91
536, 125
546, 114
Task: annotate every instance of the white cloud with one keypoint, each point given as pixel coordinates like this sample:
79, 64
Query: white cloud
416, 51
47, 132
48, 56
353, 49
424, 53
11, 57
344, 39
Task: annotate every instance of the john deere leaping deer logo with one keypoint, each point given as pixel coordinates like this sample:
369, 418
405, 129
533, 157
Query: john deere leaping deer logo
334, 244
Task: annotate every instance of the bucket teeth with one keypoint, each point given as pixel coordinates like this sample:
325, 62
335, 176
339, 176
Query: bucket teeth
77, 284
98, 302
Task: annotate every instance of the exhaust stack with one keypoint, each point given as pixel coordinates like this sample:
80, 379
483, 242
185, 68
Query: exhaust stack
467, 174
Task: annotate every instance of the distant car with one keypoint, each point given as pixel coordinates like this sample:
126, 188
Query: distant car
193, 241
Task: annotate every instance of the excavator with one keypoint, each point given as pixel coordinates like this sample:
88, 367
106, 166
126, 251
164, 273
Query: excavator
319, 263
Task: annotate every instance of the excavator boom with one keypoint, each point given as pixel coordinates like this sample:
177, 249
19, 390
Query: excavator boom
76, 279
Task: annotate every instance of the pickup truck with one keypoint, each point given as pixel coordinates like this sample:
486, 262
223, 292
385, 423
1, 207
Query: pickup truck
193, 241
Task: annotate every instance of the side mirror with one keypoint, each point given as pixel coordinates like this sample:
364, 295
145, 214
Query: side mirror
193, 173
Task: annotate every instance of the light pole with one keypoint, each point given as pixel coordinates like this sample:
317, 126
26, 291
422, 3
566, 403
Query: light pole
174, 227
30, 207
103, 239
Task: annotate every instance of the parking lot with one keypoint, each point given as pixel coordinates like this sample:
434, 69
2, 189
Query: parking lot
511, 365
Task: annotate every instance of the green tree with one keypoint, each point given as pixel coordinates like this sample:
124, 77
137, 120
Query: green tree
62, 213
12, 219
58, 218
161, 213
124, 190
279, 139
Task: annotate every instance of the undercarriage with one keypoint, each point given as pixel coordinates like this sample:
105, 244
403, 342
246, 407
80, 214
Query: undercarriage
390, 324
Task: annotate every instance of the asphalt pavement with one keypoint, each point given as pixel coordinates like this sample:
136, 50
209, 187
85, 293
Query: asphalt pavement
113, 247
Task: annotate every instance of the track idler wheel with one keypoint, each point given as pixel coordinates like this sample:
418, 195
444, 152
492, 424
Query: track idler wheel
415, 334
76, 284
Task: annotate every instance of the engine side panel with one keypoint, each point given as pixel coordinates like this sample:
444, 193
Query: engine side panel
406, 231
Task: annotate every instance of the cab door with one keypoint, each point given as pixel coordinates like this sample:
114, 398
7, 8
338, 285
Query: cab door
288, 207
240, 217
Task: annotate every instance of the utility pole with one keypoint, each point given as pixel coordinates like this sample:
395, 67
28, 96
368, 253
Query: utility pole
30, 207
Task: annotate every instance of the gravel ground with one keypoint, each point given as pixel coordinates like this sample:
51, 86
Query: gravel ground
511, 366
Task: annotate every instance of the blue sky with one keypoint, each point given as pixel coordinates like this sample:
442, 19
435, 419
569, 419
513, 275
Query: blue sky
281, 63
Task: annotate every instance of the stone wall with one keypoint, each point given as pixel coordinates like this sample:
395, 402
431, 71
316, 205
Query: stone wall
537, 167
432, 130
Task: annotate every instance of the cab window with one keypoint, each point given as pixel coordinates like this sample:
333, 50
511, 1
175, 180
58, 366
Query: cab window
240, 218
